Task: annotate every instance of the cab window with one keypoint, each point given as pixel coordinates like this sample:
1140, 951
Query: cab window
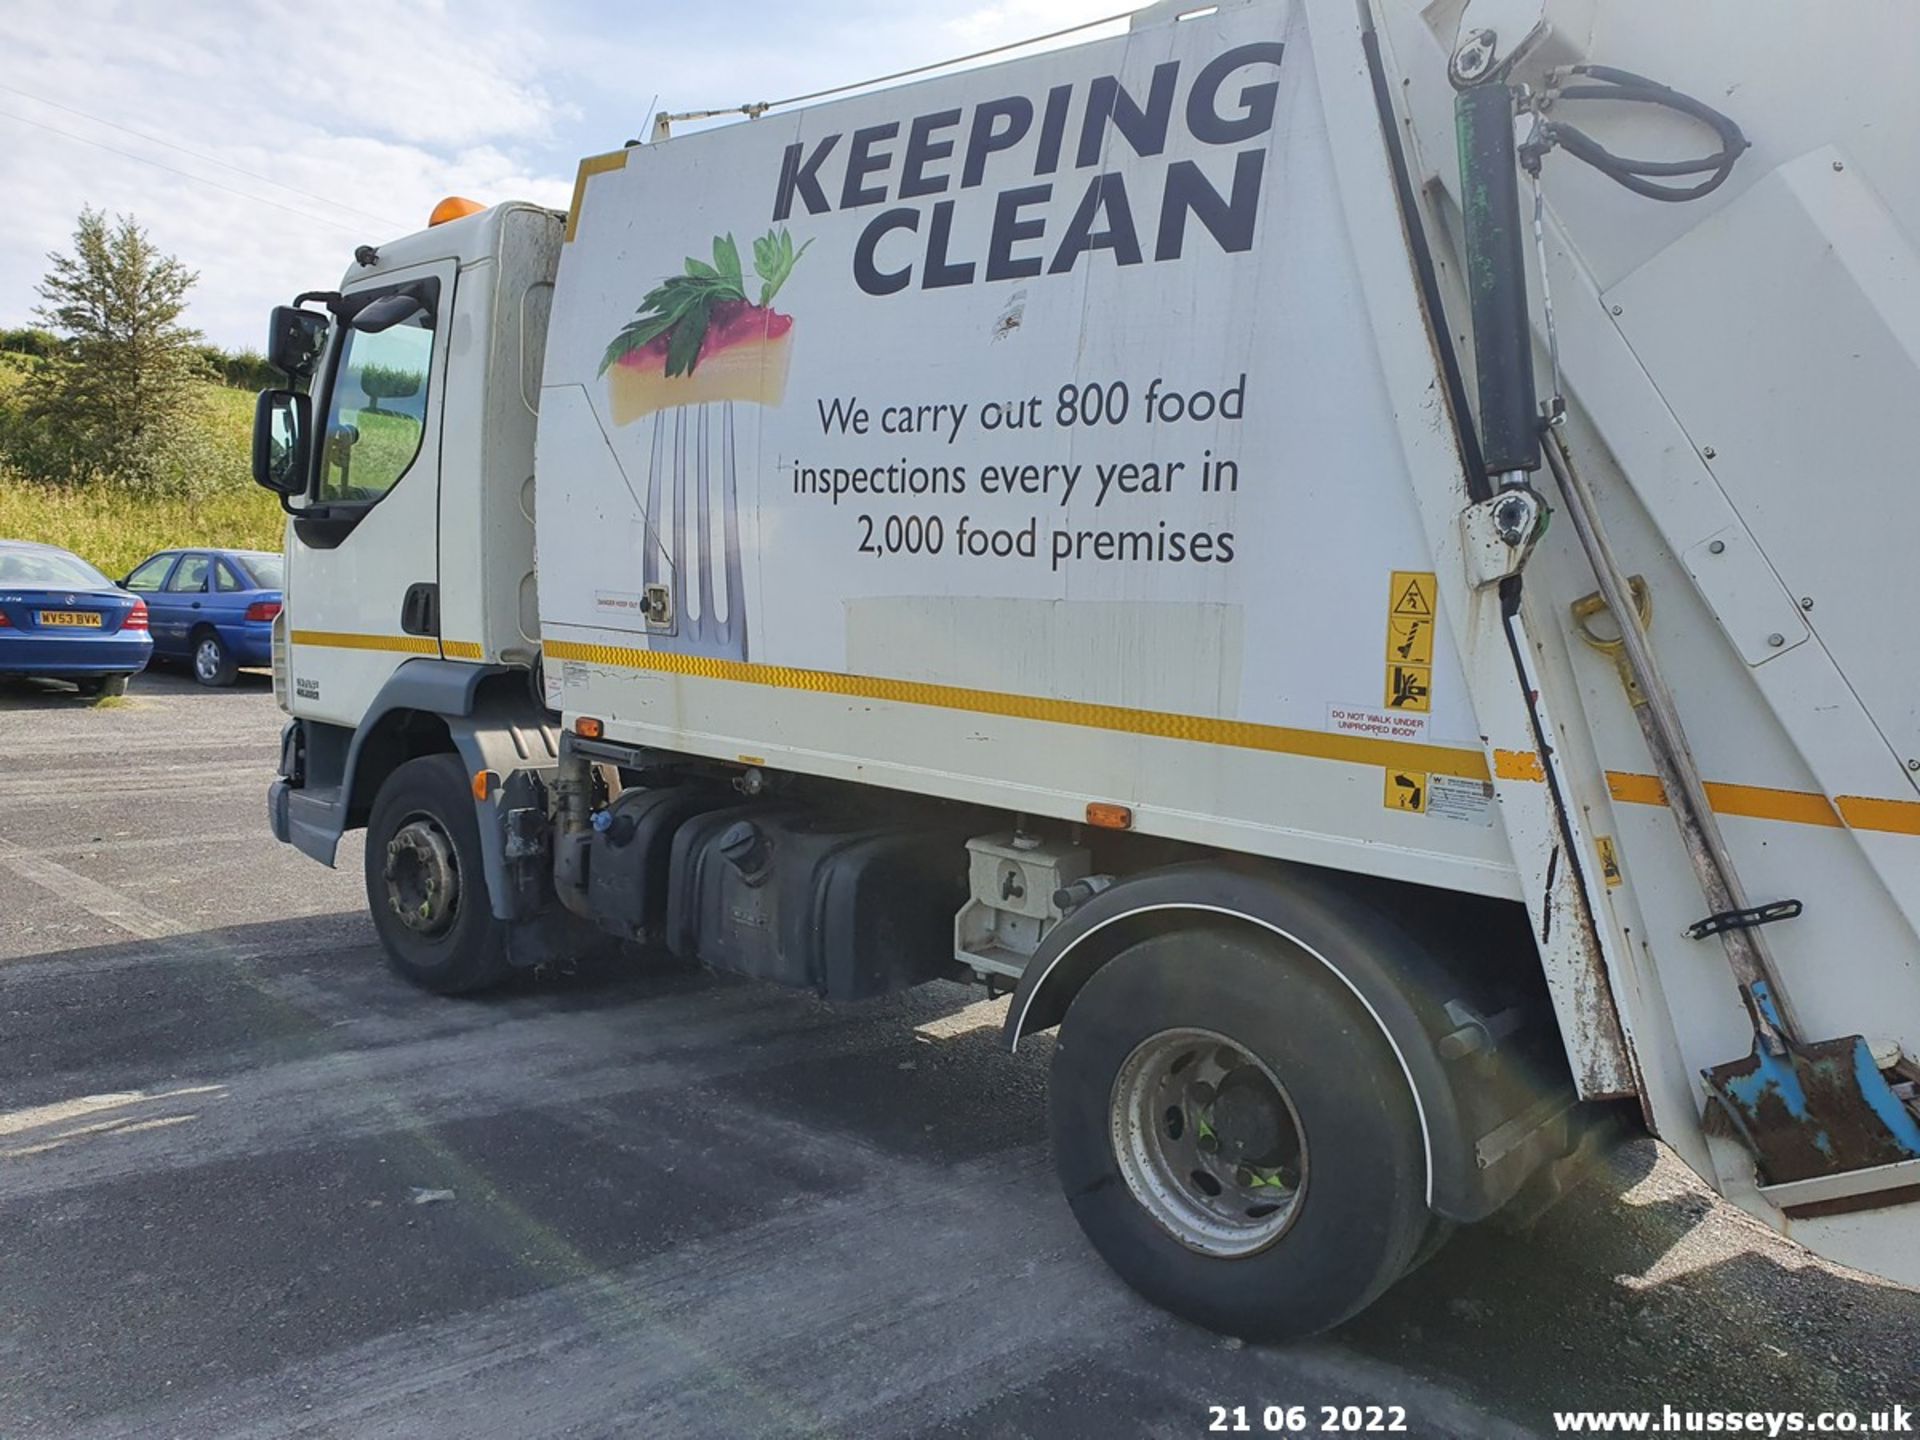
376, 411
149, 574
191, 576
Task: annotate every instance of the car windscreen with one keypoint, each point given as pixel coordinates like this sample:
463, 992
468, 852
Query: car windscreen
49, 567
268, 571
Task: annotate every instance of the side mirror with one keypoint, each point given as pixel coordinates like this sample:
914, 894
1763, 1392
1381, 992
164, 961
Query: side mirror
282, 441
295, 338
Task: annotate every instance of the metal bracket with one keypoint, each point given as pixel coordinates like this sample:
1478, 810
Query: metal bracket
1495, 37
657, 599
1498, 534
1745, 919
1588, 606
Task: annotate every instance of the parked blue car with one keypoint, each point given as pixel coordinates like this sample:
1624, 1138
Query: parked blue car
62, 619
214, 608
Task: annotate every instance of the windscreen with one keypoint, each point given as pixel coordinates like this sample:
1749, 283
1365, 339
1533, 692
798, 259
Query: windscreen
268, 571
49, 567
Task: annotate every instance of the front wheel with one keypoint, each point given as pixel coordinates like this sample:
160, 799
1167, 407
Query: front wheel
213, 662
1235, 1137
426, 880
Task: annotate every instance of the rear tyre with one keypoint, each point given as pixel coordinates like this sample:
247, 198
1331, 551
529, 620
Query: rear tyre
1235, 1137
213, 663
426, 880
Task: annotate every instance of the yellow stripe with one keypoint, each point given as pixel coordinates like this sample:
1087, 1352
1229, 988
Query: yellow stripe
340, 640
1240, 734
1756, 802
592, 165
402, 644
1866, 812
1518, 765
1799, 807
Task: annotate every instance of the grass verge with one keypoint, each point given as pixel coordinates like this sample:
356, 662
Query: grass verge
116, 530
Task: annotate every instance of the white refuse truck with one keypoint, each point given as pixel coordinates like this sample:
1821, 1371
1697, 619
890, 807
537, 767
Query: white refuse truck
1356, 559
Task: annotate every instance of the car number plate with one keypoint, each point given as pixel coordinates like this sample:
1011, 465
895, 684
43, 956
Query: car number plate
82, 619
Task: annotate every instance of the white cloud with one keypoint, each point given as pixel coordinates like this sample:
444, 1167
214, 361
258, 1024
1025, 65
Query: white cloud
384, 110
420, 105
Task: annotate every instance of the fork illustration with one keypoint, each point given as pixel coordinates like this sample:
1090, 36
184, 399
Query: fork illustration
700, 622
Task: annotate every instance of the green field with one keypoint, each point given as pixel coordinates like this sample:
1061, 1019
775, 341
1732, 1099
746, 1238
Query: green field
115, 528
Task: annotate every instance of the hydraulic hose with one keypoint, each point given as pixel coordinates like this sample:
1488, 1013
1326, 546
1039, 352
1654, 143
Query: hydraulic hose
1612, 84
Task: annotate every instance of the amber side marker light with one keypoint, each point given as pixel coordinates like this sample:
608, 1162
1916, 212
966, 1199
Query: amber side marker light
1109, 817
587, 728
483, 783
454, 207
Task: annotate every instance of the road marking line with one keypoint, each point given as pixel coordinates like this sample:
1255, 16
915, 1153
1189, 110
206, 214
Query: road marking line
102, 902
151, 842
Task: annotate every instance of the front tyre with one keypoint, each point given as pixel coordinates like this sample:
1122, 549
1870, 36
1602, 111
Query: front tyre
1234, 1135
426, 880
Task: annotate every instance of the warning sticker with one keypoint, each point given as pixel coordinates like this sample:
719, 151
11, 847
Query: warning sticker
1410, 639
1381, 724
1454, 797
1409, 687
1413, 594
1406, 790
1609, 860
1410, 622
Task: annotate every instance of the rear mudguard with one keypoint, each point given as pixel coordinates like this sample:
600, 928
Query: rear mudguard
1372, 950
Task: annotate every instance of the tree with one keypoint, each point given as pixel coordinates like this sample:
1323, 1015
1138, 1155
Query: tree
389, 382
39, 344
121, 397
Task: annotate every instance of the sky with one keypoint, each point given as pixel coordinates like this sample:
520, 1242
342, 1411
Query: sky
260, 141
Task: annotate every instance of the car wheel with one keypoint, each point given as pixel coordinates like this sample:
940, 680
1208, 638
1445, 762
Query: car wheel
213, 663
426, 880
1234, 1136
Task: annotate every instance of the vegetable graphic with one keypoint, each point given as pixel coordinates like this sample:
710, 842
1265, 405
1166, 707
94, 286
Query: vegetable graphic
698, 338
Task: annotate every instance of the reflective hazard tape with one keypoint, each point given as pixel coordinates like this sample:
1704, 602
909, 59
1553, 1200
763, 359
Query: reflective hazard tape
1799, 807
401, 644
1239, 734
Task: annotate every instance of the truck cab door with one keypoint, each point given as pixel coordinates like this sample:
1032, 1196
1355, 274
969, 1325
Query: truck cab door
362, 553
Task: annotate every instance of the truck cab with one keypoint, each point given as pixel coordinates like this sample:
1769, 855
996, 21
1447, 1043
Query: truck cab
408, 486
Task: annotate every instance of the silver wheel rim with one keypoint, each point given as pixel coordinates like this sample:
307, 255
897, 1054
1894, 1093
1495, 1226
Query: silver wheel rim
1208, 1141
423, 877
206, 659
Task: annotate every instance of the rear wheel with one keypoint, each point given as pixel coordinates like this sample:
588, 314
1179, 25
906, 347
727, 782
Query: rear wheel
426, 880
1235, 1137
213, 663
